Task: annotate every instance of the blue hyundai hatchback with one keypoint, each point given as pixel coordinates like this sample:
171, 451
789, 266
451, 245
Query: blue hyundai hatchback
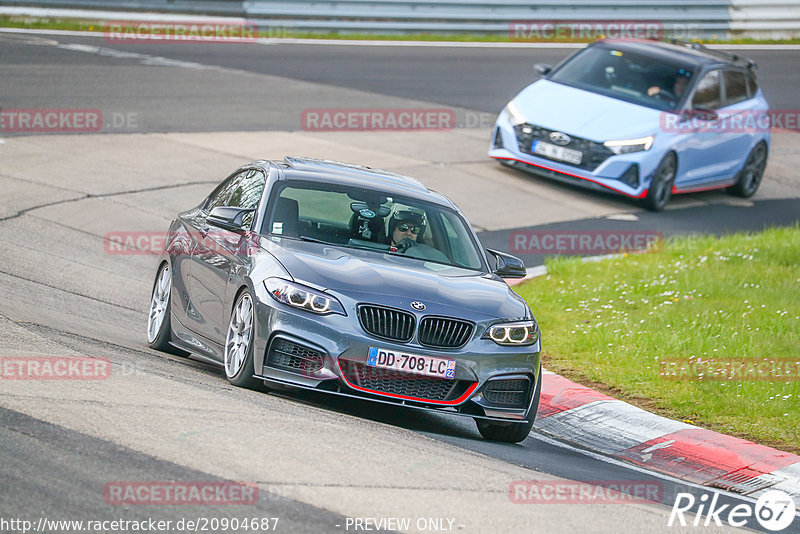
644, 119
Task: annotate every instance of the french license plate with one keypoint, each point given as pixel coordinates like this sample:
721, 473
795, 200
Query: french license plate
412, 363
557, 152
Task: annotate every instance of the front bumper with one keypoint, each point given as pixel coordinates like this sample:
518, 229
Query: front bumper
608, 176
329, 354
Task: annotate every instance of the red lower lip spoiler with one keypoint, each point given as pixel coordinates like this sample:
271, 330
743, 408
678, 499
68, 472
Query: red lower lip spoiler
641, 195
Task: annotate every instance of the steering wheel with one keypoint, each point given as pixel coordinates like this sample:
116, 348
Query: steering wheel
405, 244
666, 95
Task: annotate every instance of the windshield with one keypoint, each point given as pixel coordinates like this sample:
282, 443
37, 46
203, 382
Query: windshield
627, 76
372, 220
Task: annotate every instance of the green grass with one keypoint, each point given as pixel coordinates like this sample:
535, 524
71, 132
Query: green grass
609, 324
72, 24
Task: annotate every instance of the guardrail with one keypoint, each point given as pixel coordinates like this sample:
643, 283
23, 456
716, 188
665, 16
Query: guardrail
721, 19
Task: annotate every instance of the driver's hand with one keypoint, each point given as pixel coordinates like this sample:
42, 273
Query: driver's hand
405, 244
653, 91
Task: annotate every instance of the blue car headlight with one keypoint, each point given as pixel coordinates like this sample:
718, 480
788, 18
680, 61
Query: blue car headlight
516, 334
303, 297
626, 146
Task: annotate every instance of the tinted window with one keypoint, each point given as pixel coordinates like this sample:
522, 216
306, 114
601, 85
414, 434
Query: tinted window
221, 196
707, 94
735, 87
247, 194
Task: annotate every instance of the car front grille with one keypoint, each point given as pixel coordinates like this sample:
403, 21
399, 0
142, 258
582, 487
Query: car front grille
387, 323
594, 153
444, 332
512, 392
406, 384
288, 355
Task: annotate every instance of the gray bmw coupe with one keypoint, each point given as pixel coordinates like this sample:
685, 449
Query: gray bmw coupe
350, 281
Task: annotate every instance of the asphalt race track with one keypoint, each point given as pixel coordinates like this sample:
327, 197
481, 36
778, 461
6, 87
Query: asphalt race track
176, 120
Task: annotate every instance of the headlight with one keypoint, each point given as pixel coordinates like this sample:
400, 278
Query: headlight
514, 115
627, 146
513, 334
303, 297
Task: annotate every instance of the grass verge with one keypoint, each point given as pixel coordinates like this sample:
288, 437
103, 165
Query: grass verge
74, 24
701, 302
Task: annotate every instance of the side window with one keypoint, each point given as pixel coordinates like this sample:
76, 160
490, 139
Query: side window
247, 193
735, 87
752, 85
221, 196
707, 94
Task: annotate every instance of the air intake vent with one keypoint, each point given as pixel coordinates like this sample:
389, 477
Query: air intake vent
287, 355
510, 392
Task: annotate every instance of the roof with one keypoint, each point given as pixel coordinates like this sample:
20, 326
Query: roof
688, 52
320, 170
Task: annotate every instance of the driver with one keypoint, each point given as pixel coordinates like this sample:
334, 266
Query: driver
405, 227
679, 85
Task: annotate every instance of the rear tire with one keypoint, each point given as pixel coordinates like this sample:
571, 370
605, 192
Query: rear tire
660, 190
512, 432
753, 170
159, 327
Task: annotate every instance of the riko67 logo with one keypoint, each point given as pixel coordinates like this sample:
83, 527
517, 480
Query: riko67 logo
774, 511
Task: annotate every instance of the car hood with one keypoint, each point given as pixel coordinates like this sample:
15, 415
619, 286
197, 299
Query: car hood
584, 114
367, 276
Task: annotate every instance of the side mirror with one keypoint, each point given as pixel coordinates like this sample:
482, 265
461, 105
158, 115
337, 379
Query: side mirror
228, 218
705, 114
508, 266
543, 69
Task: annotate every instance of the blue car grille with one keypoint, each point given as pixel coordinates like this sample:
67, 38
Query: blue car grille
513, 392
288, 355
406, 384
387, 323
594, 153
444, 332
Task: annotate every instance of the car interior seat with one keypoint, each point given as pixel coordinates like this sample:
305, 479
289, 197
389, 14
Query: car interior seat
286, 217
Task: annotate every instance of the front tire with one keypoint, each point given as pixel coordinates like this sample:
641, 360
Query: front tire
512, 432
661, 185
753, 170
159, 327
239, 344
